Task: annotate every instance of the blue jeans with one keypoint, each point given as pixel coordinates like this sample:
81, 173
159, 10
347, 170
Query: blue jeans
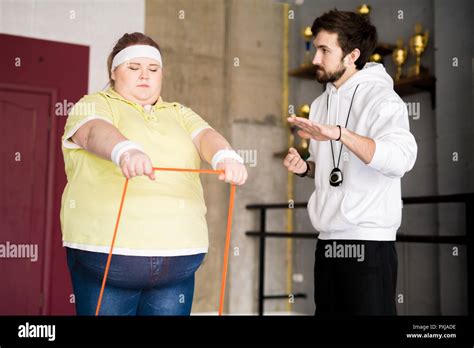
136, 285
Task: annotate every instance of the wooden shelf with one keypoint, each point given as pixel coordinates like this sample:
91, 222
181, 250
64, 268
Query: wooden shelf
417, 84
405, 86
384, 49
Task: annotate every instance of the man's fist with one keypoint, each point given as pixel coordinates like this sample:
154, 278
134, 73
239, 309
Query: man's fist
294, 163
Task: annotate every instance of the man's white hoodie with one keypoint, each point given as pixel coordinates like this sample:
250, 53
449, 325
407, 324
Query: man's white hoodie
367, 206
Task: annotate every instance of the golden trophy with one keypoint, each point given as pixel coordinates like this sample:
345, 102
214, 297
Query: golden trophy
376, 58
399, 57
304, 111
418, 43
364, 10
308, 36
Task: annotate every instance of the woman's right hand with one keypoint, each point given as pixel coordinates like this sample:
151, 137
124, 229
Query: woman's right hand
294, 163
135, 162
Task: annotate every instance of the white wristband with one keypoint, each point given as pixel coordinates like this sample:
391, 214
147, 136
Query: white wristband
223, 154
122, 147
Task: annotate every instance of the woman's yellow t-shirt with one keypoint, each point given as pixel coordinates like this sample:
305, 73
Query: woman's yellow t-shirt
165, 217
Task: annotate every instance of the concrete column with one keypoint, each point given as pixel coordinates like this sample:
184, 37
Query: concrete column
223, 60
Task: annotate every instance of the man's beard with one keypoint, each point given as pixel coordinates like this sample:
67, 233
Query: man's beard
326, 77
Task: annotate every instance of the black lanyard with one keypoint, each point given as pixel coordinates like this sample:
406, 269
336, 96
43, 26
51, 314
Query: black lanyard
347, 120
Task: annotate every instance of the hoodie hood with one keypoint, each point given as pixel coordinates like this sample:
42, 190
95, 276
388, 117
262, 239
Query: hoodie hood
373, 73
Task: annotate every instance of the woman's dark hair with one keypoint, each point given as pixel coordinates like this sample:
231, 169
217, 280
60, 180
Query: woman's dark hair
353, 31
125, 41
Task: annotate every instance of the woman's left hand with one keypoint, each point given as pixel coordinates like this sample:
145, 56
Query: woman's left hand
234, 172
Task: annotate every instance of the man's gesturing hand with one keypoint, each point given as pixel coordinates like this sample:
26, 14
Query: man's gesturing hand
313, 130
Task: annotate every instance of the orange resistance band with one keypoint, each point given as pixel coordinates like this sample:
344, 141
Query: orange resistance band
227, 238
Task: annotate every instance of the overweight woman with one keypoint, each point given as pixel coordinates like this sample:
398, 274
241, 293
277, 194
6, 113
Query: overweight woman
163, 238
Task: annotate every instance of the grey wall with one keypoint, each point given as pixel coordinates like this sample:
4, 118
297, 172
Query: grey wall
455, 134
192, 38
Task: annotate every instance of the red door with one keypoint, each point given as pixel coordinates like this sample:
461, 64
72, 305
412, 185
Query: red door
37, 78
25, 116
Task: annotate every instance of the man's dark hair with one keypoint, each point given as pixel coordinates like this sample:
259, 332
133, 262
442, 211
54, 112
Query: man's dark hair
353, 31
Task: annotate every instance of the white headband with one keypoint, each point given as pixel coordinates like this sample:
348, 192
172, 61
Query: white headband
136, 51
